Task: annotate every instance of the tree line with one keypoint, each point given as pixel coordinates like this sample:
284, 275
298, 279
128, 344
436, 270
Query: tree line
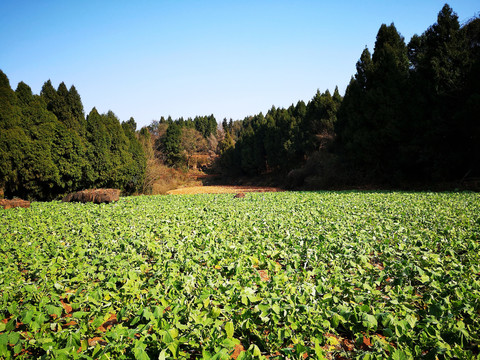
48, 147
176, 141
410, 114
282, 138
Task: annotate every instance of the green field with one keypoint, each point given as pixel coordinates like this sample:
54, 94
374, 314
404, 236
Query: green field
284, 275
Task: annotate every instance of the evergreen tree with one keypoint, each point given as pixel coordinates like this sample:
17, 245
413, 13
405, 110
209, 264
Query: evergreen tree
45, 162
75, 105
48, 149
469, 112
37, 172
9, 116
319, 122
98, 151
171, 143
440, 69
372, 113
226, 144
225, 125
49, 95
13, 139
136, 166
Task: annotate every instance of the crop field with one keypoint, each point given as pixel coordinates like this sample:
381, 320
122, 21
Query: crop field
292, 275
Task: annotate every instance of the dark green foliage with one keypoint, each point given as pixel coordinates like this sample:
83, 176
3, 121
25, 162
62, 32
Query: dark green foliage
411, 113
9, 114
77, 113
66, 105
320, 119
171, 143
115, 156
206, 125
69, 155
46, 150
250, 148
137, 166
372, 112
444, 65
283, 138
27, 166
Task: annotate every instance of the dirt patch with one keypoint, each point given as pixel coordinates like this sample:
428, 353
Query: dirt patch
230, 189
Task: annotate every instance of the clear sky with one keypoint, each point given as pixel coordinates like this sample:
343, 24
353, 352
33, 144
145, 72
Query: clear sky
149, 59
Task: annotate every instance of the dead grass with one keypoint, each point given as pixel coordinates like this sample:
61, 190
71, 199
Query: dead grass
230, 189
160, 179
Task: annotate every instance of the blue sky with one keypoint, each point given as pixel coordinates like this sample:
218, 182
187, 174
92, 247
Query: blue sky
148, 59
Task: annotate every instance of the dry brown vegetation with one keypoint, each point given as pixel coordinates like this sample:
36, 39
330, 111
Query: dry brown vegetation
8, 204
97, 196
231, 189
160, 178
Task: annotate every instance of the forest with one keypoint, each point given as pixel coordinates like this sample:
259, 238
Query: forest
409, 116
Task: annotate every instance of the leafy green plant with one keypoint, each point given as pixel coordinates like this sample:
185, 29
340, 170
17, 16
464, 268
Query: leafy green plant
288, 275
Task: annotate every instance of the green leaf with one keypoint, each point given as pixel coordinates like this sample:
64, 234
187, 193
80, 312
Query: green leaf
173, 347
4, 351
412, 320
162, 355
167, 337
140, 354
216, 312
229, 329
369, 321
27, 318
399, 355
424, 278
230, 343
54, 310
10, 325
18, 348
79, 314
3, 339
276, 308
318, 351
242, 356
255, 350
336, 320
96, 350
173, 333
13, 337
